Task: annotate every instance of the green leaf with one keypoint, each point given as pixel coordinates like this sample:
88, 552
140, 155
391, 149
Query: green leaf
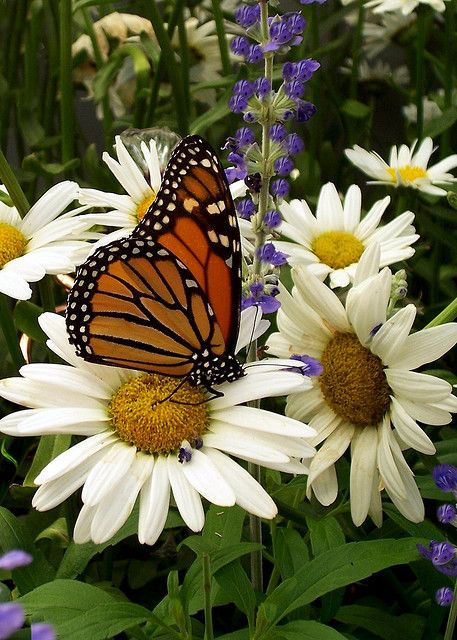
382, 624
355, 109
26, 316
215, 114
333, 569
14, 535
37, 166
304, 630
290, 551
48, 449
438, 125
325, 534
59, 601
235, 584
104, 621
223, 526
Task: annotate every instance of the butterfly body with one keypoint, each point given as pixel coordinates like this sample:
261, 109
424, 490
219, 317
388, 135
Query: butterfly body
167, 299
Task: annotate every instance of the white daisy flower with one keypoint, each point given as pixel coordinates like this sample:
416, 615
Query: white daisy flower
44, 241
147, 436
331, 242
126, 211
404, 6
407, 167
368, 398
430, 110
379, 31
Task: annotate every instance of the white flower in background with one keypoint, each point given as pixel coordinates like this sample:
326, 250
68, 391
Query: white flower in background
125, 211
379, 71
331, 242
403, 6
407, 167
148, 436
379, 31
44, 241
431, 110
368, 398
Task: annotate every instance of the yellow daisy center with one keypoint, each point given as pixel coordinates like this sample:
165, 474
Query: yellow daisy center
353, 381
407, 173
337, 249
12, 243
144, 206
155, 416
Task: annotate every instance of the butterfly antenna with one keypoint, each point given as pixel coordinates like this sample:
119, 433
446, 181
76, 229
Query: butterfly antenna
170, 395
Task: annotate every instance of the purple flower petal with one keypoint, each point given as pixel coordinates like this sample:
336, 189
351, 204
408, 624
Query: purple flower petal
14, 559
12, 618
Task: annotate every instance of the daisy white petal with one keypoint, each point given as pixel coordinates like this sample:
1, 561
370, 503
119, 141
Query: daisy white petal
111, 513
325, 486
110, 471
418, 387
425, 413
363, 471
186, 497
250, 495
82, 532
425, 346
154, 501
45, 210
261, 420
409, 431
206, 479
392, 334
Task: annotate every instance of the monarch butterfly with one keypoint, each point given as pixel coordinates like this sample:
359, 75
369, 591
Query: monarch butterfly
167, 298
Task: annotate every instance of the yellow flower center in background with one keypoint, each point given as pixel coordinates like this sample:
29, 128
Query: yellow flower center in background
144, 206
12, 243
338, 249
151, 414
407, 173
353, 381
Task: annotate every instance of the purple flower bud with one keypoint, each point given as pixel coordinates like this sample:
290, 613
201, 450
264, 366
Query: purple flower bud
288, 115
253, 182
14, 559
255, 54
446, 513
245, 208
256, 288
198, 442
248, 116
236, 158
305, 110
442, 553
294, 144
277, 132
238, 103
272, 219
244, 136
296, 23
279, 188
231, 143
444, 596
445, 477
288, 71
12, 618
268, 254
244, 88
313, 366
240, 46
42, 631
312, 1
283, 166
247, 15
235, 173
294, 89
262, 87
304, 69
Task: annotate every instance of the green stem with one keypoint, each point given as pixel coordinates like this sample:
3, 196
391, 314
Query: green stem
450, 51
169, 60
449, 633
13, 187
357, 51
209, 634
107, 117
220, 30
47, 294
420, 71
10, 333
447, 315
65, 81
